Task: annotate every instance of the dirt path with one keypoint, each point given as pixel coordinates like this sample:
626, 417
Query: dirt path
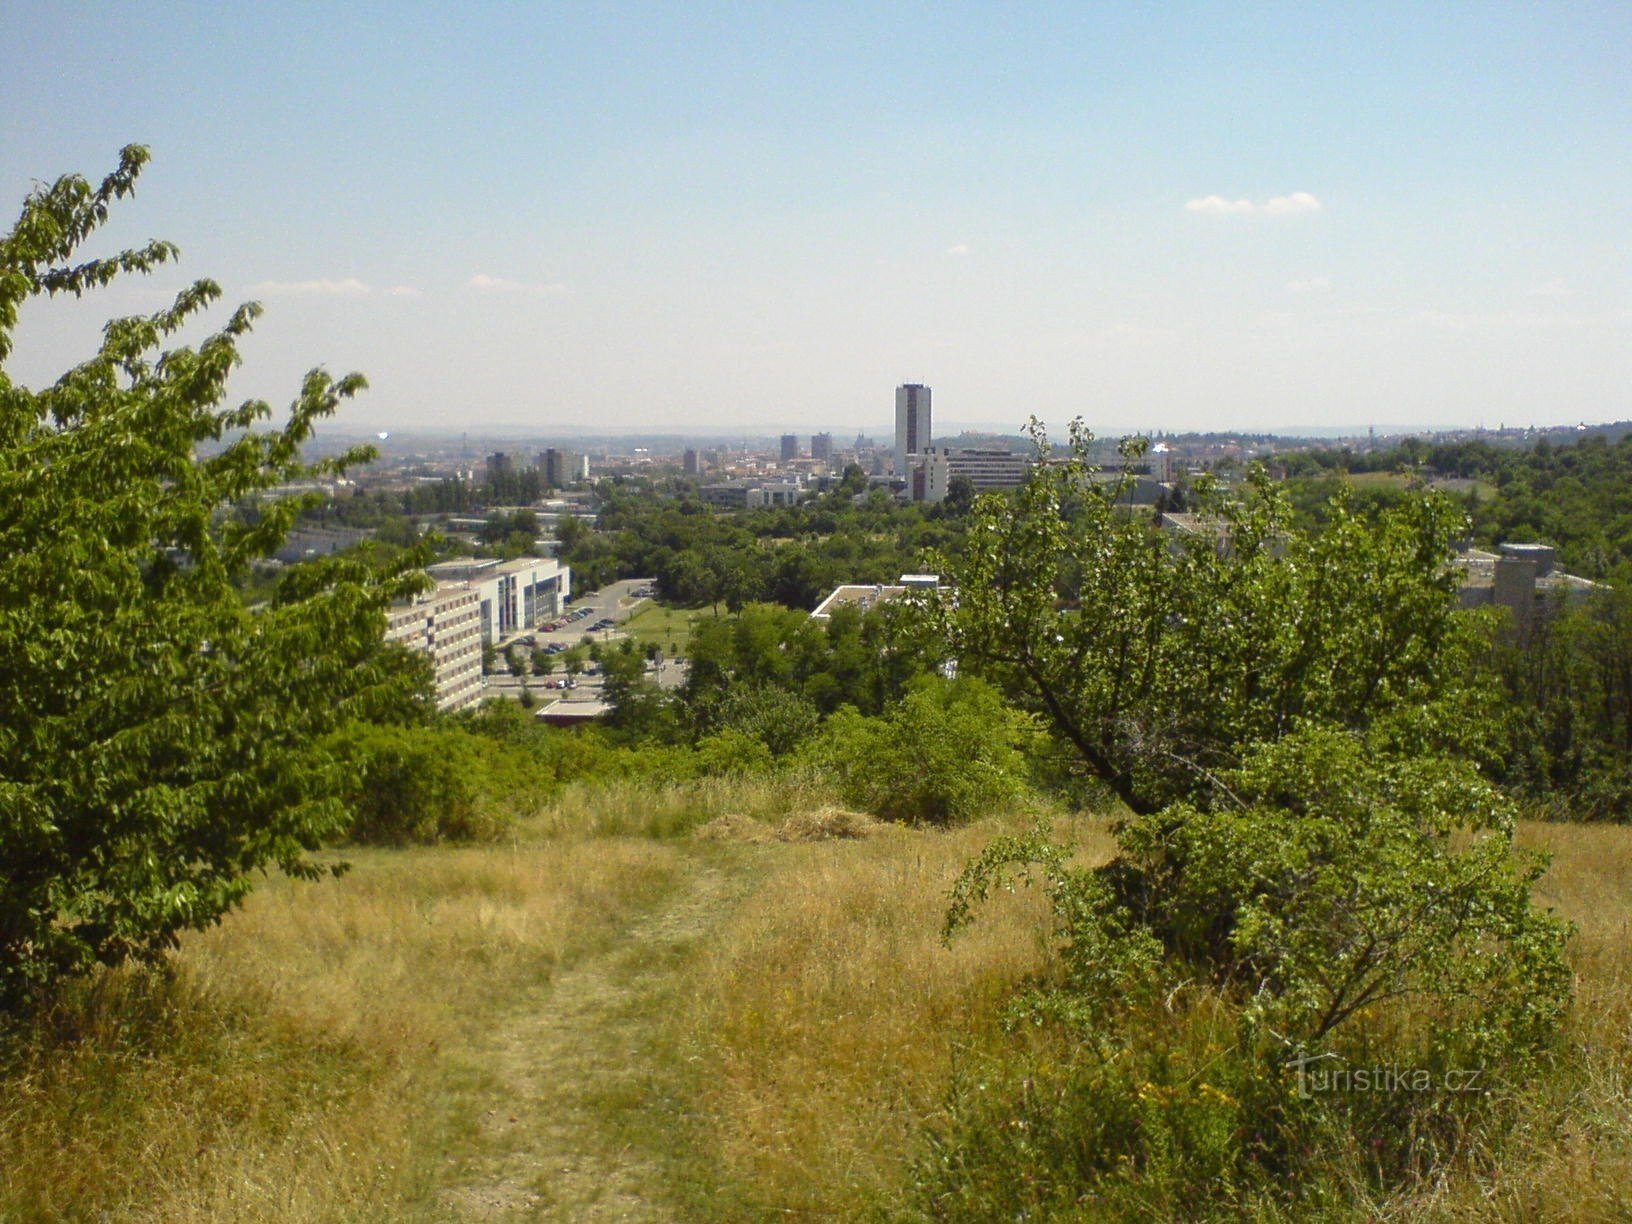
582, 1093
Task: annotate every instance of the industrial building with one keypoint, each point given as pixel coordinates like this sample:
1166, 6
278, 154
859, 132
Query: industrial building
1522, 578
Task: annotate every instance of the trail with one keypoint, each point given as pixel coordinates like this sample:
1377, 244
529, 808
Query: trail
579, 1079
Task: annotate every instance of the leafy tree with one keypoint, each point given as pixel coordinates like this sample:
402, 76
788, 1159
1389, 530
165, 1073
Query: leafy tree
1315, 869
1156, 659
159, 740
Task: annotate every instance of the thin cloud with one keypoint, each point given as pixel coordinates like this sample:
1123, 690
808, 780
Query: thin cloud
1276, 206
404, 291
958, 250
349, 287
484, 283
1315, 284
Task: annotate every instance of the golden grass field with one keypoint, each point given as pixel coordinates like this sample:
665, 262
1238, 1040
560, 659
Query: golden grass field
756, 1028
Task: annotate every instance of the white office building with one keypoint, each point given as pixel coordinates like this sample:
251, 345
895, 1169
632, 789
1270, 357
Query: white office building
446, 625
512, 596
932, 473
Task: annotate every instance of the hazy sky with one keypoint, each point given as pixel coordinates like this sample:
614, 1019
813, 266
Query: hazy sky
766, 216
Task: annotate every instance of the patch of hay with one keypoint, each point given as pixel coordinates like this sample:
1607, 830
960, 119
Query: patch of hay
733, 827
827, 824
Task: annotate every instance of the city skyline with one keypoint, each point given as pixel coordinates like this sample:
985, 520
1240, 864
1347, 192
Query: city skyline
582, 220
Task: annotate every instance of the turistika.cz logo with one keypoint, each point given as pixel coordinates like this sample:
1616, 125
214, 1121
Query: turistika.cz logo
1322, 1073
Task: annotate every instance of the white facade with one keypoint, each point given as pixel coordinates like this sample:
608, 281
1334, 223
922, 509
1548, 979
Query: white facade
446, 625
912, 423
985, 469
775, 493
522, 595
512, 596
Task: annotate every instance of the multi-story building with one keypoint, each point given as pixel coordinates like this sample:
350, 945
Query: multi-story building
790, 447
821, 447
688, 462
560, 468
731, 496
775, 493
446, 624
512, 596
912, 423
499, 465
1522, 578
931, 474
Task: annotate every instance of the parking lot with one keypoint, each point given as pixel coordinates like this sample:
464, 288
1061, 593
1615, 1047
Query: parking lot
593, 614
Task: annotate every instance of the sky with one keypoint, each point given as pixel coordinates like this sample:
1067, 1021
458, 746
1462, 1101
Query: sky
757, 217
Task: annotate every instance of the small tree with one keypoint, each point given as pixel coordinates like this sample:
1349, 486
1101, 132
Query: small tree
1157, 658
159, 741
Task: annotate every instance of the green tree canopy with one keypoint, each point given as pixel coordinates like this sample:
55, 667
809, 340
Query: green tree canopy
159, 741
1156, 657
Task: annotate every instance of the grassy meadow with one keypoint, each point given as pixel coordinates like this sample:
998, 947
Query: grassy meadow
668, 627
708, 1001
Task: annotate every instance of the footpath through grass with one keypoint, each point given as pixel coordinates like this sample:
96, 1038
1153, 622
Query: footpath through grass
623, 1016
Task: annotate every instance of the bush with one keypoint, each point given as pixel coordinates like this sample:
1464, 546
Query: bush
1342, 914
159, 739
948, 752
431, 784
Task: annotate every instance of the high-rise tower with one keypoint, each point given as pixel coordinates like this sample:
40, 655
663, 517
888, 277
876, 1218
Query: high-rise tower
912, 429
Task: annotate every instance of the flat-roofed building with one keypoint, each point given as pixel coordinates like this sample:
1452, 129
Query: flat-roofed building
1523, 578
932, 473
912, 423
446, 625
513, 596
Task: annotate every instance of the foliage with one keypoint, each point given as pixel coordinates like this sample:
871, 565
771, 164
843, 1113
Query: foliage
433, 784
1157, 658
159, 741
789, 555
1576, 496
1343, 908
865, 661
1569, 674
950, 751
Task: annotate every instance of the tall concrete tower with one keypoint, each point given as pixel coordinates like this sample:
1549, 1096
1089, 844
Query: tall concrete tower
912, 429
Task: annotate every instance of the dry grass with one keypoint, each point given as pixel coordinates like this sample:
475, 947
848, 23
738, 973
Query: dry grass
1572, 1158
304, 1062
635, 807
829, 1013
318, 1057
819, 824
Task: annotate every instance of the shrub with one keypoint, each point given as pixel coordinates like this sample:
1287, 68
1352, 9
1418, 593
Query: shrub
431, 784
159, 739
1343, 913
948, 752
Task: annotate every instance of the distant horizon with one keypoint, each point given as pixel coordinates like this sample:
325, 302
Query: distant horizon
883, 435
713, 217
